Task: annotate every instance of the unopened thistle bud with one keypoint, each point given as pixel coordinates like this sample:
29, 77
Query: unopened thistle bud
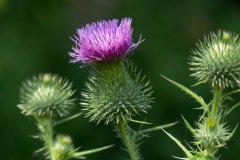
217, 60
115, 90
46, 95
214, 137
63, 147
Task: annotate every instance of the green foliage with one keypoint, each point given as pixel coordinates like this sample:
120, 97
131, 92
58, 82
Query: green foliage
216, 60
46, 95
191, 93
115, 90
61, 146
211, 133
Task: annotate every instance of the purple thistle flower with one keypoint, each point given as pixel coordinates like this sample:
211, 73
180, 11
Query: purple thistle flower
103, 41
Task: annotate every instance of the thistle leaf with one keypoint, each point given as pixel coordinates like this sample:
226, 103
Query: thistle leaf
229, 110
187, 152
136, 121
191, 93
83, 153
232, 133
189, 126
66, 119
230, 93
157, 128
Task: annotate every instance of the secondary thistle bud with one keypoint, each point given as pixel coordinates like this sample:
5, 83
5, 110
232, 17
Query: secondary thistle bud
46, 95
63, 147
213, 137
217, 60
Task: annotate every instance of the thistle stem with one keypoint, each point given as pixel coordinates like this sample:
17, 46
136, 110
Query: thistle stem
208, 151
49, 140
217, 100
128, 140
45, 128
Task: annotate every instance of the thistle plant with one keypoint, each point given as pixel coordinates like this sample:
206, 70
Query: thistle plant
216, 61
115, 91
47, 97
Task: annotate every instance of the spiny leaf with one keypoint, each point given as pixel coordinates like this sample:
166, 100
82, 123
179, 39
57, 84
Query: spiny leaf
189, 126
67, 119
230, 93
136, 121
191, 93
230, 110
79, 154
187, 152
232, 133
157, 128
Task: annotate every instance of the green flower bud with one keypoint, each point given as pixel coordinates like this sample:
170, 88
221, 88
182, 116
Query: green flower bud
46, 95
63, 147
213, 137
217, 60
115, 91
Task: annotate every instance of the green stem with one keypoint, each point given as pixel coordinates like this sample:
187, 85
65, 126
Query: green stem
128, 140
212, 120
45, 126
217, 100
49, 140
208, 151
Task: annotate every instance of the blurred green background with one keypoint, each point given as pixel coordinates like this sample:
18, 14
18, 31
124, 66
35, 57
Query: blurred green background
34, 38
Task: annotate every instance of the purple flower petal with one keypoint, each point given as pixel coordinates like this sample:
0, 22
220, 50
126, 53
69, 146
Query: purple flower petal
103, 41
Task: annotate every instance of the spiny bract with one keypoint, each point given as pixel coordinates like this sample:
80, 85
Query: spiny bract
115, 92
46, 95
217, 60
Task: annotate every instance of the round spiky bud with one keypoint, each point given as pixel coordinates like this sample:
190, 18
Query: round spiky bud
115, 90
217, 60
63, 147
46, 95
213, 137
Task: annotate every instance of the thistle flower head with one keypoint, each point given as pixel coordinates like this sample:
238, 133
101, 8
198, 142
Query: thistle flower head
217, 60
46, 95
103, 41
